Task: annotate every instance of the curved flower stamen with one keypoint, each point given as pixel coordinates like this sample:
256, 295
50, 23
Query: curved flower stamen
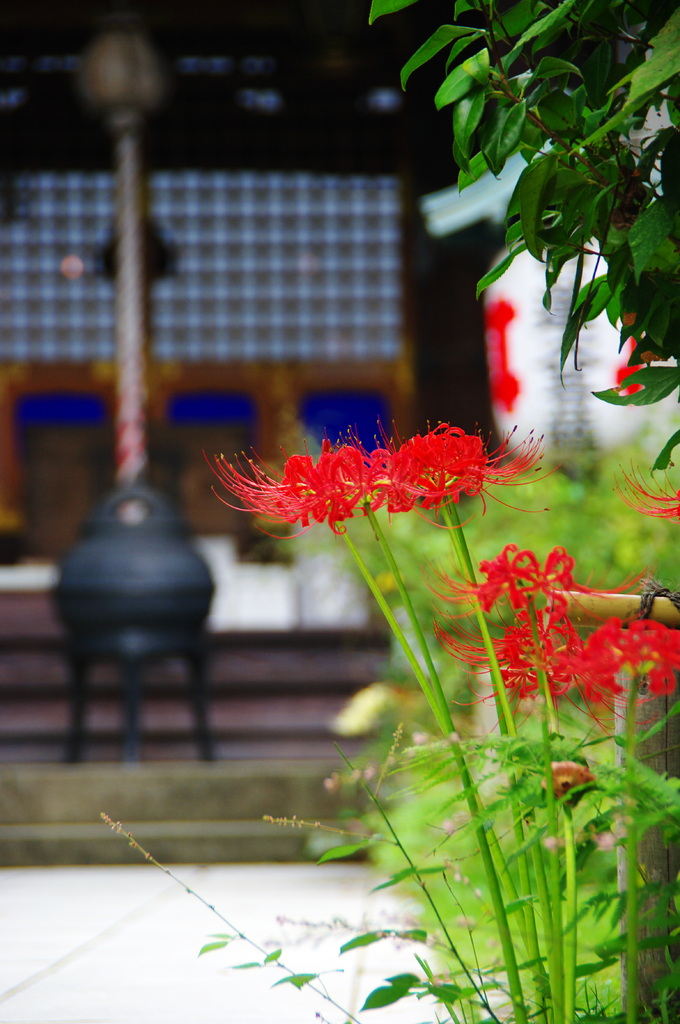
521, 653
651, 499
518, 576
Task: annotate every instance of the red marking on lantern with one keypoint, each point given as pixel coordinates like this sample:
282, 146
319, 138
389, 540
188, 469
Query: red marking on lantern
624, 370
505, 387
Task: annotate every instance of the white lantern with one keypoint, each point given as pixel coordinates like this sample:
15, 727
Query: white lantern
523, 351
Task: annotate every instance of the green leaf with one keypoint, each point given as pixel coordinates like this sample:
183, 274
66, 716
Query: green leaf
339, 852
448, 993
273, 957
548, 25
414, 934
670, 173
549, 66
519, 903
569, 336
457, 48
583, 970
501, 135
210, 946
650, 229
467, 114
595, 295
444, 35
663, 459
558, 112
299, 980
457, 84
646, 79
657, 320
617, 268
479, 66
662, 65
496, 272
517, 16
409, 873
246, 967
398, 987
596, 73
363, 940
380, 7
652, 942
658, 382
476, 169
535, 187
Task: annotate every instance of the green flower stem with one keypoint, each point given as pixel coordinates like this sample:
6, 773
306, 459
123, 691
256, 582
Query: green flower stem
438, 693
445, 722
557, 980
631, 861
442, 715
506, 719
508, 727
570, 936
410, 611
554, 885
546, 915
549, 726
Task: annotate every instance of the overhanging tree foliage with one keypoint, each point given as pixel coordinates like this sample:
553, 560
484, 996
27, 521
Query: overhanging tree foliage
588, 91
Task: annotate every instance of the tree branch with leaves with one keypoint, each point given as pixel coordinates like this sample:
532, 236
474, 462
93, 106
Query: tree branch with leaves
588, 92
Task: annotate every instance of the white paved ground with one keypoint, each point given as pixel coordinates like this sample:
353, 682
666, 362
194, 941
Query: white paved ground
119, 945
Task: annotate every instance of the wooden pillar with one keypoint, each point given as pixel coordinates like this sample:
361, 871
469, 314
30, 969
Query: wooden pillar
658, 860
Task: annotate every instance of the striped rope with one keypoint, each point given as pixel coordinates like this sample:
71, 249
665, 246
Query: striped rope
130, 454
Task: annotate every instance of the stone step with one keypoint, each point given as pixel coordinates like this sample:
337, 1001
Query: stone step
271, 693
189, 812
169, 842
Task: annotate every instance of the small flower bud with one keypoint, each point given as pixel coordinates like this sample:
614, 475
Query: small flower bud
566, 775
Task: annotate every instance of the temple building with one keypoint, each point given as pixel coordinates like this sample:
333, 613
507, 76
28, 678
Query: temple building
293, 289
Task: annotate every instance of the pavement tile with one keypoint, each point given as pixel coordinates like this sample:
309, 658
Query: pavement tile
119, 945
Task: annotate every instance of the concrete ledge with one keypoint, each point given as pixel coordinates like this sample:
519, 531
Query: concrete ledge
189, 812
165, 791
170, 842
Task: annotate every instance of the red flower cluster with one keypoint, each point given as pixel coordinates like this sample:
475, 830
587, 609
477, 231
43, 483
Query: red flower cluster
644, 649
430, 470
520, 577
520, 653
446, 462
544, 639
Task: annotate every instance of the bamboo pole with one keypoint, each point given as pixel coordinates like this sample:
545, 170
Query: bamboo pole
591, 609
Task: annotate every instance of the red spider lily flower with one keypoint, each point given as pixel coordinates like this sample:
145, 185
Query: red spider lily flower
520, 577
348, 480
334, 488
438, 467
391, 481
644, 648
521, 653
652, 499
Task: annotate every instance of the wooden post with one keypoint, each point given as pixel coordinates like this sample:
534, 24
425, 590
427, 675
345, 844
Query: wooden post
659, 862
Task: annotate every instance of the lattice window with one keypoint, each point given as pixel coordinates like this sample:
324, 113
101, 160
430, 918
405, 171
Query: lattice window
52, 303
268, 267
